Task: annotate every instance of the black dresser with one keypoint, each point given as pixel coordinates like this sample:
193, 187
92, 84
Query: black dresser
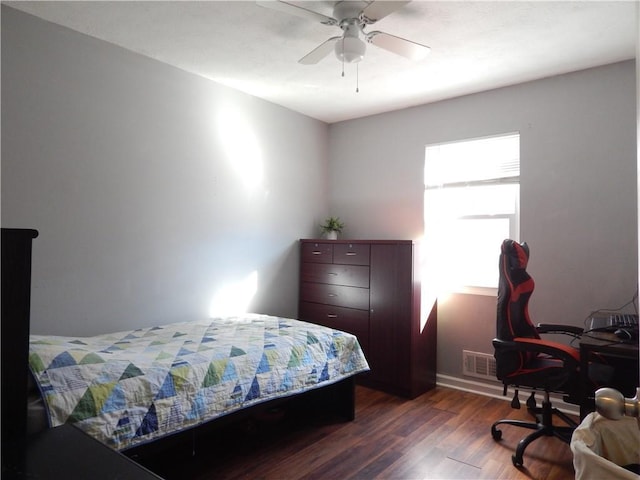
370, 288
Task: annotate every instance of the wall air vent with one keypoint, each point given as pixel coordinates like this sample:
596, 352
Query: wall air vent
480, 365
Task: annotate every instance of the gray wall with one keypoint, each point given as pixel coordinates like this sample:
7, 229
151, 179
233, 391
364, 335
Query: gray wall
638, 122
118, 161
578, 191
127, 168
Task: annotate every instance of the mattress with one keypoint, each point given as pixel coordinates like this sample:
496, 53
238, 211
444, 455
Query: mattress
129, 388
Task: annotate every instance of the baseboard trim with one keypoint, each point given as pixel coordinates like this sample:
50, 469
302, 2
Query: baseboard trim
495, 391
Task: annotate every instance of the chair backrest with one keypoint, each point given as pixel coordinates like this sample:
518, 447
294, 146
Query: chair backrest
514, 290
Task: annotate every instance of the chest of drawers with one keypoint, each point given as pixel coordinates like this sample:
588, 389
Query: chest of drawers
369, 288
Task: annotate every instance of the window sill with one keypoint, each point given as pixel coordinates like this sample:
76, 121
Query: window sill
482, 291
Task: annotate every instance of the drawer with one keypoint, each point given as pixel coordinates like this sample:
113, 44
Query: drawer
350, 275
351, 253
338, 295
348, 320
316, 252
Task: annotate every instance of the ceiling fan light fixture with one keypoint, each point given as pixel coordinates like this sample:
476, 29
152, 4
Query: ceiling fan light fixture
350, 49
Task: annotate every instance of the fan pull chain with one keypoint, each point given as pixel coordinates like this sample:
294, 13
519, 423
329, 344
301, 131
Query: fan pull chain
342, 57
357, 77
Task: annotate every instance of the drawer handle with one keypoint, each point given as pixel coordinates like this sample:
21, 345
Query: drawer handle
316, 252
332, 294
332, 273
332, 315
351, 254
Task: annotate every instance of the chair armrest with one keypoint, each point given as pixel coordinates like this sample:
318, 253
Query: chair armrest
565, 353
555, 328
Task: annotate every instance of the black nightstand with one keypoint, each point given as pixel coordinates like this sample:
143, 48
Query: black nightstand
68, 453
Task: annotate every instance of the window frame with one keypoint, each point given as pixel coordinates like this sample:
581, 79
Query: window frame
513, 218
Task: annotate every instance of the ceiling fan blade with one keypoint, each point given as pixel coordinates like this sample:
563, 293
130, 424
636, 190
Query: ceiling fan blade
399, 46
298, 11
377, 10
317, 54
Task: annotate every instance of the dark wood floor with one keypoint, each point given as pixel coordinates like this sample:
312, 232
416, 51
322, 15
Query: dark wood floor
442, 434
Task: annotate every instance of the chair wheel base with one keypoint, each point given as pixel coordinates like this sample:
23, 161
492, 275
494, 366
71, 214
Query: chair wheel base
517, 462
543, 426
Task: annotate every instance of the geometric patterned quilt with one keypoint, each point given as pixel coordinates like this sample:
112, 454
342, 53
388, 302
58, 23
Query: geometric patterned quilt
129, 388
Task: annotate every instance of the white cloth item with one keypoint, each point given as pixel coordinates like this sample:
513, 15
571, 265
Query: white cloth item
600, 446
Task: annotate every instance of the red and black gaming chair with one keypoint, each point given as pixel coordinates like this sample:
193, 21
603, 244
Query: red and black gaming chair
524, 360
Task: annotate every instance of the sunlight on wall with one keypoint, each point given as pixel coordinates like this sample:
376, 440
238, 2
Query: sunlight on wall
429, 291
234, 298
242, 148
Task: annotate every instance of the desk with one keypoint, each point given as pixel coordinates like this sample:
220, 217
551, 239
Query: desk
608, 345
66, 452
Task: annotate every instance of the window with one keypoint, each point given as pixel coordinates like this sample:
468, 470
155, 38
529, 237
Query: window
471, 204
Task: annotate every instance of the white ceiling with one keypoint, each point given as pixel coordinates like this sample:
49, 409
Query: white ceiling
475, 46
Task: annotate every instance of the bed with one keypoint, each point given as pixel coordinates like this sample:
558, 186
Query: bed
132, 388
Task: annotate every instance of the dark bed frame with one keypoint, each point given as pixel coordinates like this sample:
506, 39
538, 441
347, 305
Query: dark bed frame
337, 399
16, 304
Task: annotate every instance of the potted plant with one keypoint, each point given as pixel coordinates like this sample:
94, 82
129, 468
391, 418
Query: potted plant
331, 227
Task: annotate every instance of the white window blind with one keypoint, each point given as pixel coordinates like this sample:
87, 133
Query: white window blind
473, 162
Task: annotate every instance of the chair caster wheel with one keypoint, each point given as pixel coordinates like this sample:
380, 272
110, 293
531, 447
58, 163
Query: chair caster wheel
496, 434
516, 461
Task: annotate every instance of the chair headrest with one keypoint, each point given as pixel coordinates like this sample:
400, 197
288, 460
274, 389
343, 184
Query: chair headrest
517, 254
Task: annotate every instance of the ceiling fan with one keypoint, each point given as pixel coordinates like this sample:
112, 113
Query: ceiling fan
352, 17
